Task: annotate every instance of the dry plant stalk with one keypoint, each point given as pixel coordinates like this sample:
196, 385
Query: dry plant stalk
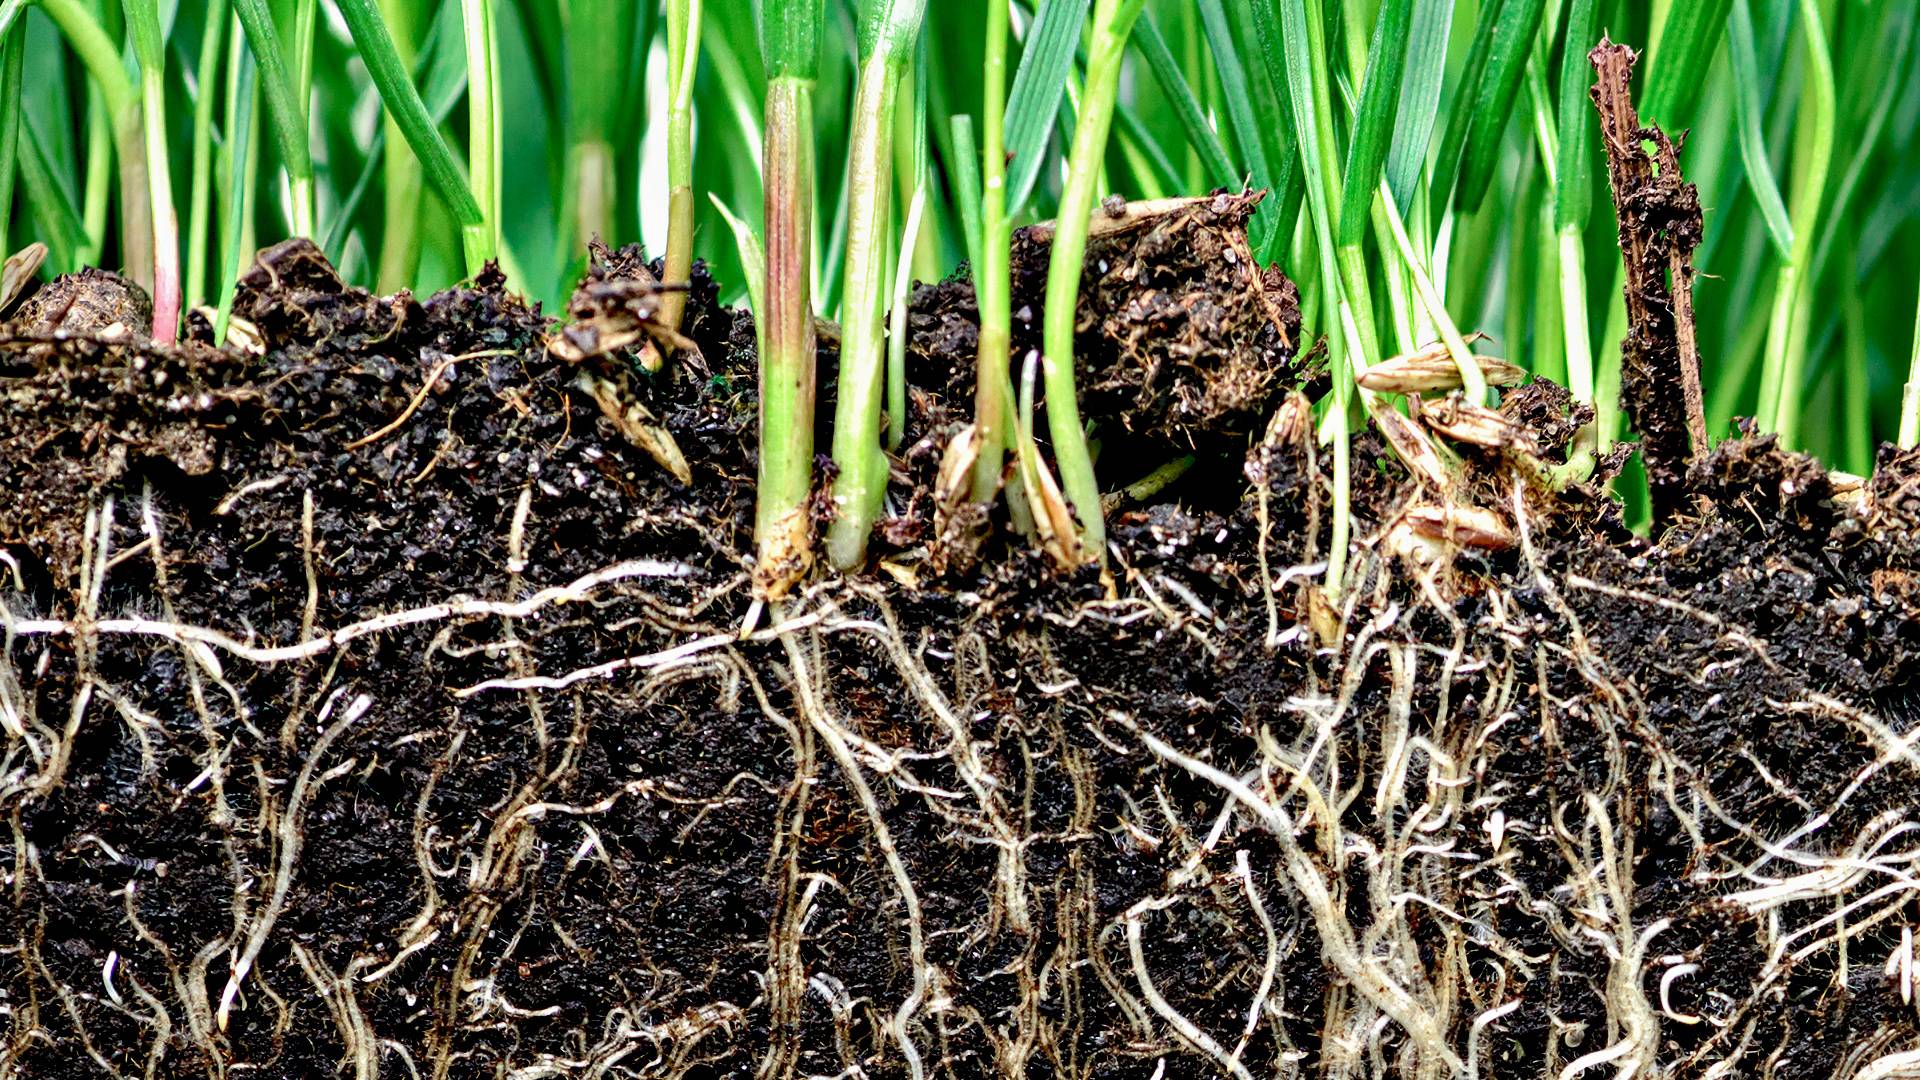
1660, 225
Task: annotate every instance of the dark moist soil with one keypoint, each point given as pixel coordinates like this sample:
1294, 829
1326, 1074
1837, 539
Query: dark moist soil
373, 707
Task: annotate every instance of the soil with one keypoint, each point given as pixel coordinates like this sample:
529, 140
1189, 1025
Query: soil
374, 706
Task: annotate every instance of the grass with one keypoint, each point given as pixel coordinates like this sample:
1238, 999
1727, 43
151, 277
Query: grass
1431, 162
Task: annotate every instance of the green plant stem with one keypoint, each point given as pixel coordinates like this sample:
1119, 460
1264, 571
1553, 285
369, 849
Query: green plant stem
993, 381
400, 231
97, 187
200, 196
1473, 381
1910, 399
287, 111
1783, 374
887, 33
594, 72
483, 113
1607, 420
787, 360
888, 29
402, 100
1856, 445
56, 218
897, 322
1112, 23
123, 106
243, 161
143, 25
1573, 195
683, 54
13, 43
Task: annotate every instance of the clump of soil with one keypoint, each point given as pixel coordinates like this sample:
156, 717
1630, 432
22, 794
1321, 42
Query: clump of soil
375, 706
1180, 338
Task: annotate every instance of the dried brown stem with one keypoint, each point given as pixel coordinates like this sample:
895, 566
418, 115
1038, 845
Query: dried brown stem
1660, 225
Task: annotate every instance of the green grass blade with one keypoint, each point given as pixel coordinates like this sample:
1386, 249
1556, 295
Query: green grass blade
200, 195
445, 84
1039, 83
1578, 125
1513, 39
1373, 124
963, 178
1270, 104
1753, 149
13, 43
1152, 46
403, 103
1237, 84
288, 113
242, 161
1783, 374
1419, 97
56, 219
1678, 68
1910, 399
1146, 153
1453, 142
753, 263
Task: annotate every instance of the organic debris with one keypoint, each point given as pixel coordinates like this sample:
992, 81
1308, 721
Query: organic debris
1660, 225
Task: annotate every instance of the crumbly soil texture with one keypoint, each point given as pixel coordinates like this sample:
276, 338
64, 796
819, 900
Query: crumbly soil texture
374, 705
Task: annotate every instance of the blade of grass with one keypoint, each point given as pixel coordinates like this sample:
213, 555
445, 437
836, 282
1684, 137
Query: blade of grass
13, 43
1678, 67
1753, 149
1460, 117
56, 220
200, 195
402, 101
243, 156
1237, 90
97, 181
593, 67
1039, 83
483, 113
402, 180
683, 58
1513, 38
1856, 383
289, 115
1113, 22
1783, 371
1910, 398
150, 48
888, 31
1270, 104
1576, 128
120, 105
897, 322
1373, 124
963, 179
1419, 97
1883, 93
1216, 163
